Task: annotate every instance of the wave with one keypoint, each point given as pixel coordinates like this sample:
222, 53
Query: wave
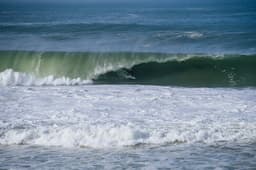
107, 135
77, 68
192, 35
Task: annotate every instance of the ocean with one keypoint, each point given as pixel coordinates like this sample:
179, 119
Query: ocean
118, 85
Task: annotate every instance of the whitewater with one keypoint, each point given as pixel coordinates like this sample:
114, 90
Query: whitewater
115, 116
126, 119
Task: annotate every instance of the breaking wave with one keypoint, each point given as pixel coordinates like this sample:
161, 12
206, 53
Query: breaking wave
78, 68
101, 136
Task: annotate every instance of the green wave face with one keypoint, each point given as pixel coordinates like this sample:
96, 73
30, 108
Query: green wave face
85, 65
239, 71
137, 68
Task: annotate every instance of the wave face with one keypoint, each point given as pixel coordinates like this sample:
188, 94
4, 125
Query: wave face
67, 68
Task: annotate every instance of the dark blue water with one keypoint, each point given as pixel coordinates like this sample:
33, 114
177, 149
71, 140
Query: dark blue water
213, 27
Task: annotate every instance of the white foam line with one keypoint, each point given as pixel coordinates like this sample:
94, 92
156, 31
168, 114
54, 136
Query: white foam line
12, 78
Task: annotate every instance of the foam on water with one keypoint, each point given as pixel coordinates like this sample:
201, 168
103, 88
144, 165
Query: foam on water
118, 116
99, 136
12, 78
191, 35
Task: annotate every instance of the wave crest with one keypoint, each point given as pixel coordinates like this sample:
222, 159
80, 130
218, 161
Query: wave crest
101, 136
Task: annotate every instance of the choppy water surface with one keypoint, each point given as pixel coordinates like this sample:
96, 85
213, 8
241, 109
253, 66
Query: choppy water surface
127, 126
221, 27
144, 157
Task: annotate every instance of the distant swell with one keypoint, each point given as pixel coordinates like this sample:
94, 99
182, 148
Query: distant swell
67, 68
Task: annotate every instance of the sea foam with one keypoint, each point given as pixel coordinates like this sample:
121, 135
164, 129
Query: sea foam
99, 136
12, 78
106, 116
